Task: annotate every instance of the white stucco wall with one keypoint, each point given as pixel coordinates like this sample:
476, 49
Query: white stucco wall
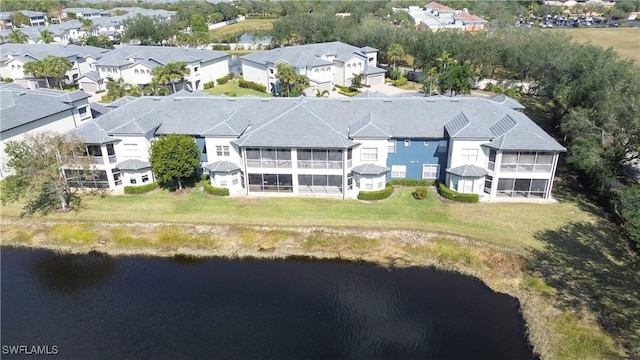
209, 71
456, 150
381, 145
256, 73
132, 147
211, 143
138, 74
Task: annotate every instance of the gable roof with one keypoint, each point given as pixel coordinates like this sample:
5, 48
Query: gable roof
307, 55
158, 55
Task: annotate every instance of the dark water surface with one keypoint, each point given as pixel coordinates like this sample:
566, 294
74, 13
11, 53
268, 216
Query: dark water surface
101, 307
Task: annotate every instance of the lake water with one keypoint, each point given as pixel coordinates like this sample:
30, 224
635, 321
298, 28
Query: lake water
101, 307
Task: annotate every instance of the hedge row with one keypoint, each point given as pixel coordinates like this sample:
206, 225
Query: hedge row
251, 85
376, 195
411, 182
221, 47
456, 196
209, 85
216, 190
225, 79
140, 189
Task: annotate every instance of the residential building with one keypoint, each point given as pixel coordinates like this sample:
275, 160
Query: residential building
86, 13
435, 16
25, 111
134, 64
36, 18
325, 64
14, 56
336, 147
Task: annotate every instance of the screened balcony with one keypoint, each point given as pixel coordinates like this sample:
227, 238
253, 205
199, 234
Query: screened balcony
269, 158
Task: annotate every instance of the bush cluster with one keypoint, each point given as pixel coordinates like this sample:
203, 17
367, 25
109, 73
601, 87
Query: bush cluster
421, 193
140, 189
221, 47
456, 196
225, 79
411, 182
251, 85
400, 82
230, 93
209, 85
376, 195
216, 190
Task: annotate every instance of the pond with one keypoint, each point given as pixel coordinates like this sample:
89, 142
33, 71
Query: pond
98, 306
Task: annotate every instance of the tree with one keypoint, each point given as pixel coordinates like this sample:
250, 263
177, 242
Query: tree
57, 67
198, 24
19, 19
154, 89
17, 37
148, 31
174, 157
630, 211
116, 88
290, 80
395, 53
46, 37
356, 81
87, 25
170, 73
38, 178
101, 41
457, 79
430, 80
36, 69
445, 60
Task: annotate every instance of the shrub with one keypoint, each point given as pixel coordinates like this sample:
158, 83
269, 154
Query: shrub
395, 74
400, 82
216, 190
376, 195
209, 85
221, 47
230, 93
230, 75
204, 177
6, 80
456, 196
140, 189
224, 79
421, 193
251, 85
411, 182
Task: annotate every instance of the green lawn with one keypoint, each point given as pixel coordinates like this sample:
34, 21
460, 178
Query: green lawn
233, 87
246, 26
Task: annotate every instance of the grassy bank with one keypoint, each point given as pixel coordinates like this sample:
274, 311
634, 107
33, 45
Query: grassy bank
623, 41
233, 87
246, 26
565, 263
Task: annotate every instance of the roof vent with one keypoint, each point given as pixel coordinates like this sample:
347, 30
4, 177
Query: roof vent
177, 99
388, 100
345, 101
265, 100
454, 100
431, 100
155, 99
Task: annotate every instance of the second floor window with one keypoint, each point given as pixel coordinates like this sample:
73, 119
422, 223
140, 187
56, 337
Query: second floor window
469, 154
222, 150
369, 154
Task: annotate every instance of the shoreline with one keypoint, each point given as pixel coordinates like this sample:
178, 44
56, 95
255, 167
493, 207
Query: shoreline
502, 269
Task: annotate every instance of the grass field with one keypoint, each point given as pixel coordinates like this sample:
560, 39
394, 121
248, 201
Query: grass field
624, 41
232, 86
246, 26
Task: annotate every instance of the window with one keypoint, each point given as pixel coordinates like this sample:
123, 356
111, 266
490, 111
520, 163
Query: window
369, 154
488, 180
222, 150
223, 183
369, 186
407, 143
392, 146
430, 171
132, 181
469, 154
468, 186
442, 147
195, 69
234, 181
137, 71
145, 178
426, 143
399, 171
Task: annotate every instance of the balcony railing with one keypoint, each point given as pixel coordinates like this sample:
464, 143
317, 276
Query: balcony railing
112, 159
525, 168
271, 164
319, 164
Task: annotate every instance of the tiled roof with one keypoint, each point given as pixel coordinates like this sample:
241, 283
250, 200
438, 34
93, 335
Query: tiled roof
133, 164
329, 122
370, 169
154, 55
306, 55
509, 102
222, 166
40, 51
93, 75
468, 171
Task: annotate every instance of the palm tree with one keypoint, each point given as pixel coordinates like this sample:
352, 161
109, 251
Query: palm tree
116, 88
134, 90
446, 59
395, 53
57, 66
154, 89
17, 37
287, 75
46, 37
170, 73
87, 25
35, 68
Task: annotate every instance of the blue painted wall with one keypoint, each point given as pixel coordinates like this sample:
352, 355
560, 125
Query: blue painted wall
418, 154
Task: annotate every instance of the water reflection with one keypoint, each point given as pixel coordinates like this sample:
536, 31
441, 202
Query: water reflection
68, 273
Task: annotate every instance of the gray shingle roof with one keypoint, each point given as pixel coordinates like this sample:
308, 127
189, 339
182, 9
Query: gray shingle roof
21, 106
133, 164
306, 55
91, 133
93, 75
222, 166
509, 102
370, 169
328, 122
468, 171
158, 55
370, 70
40, 51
